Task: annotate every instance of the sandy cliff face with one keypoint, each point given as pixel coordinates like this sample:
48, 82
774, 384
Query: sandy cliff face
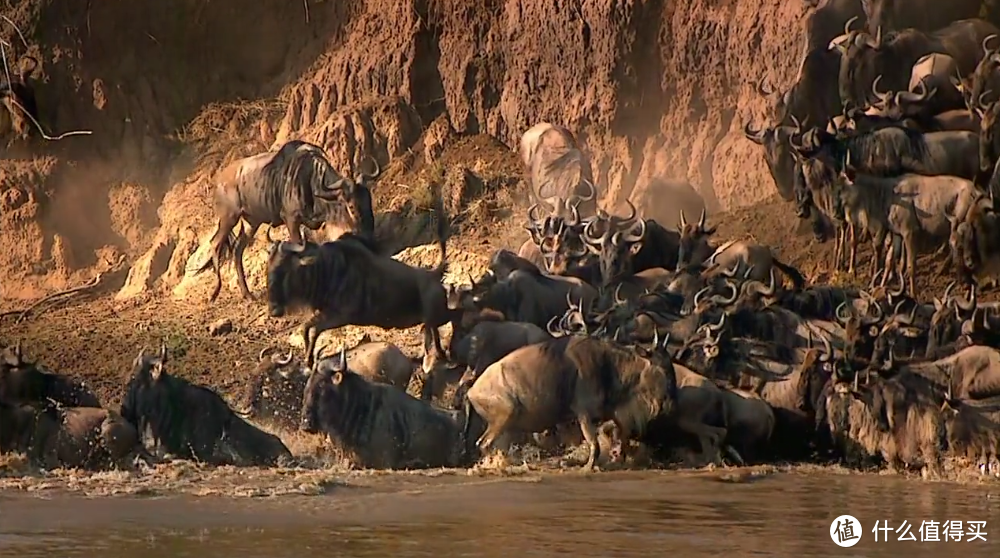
658, 91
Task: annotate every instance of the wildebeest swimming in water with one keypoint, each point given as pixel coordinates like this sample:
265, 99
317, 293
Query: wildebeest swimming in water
75, 437
385, 427
294, 186
279, 380
22, 381
193, 422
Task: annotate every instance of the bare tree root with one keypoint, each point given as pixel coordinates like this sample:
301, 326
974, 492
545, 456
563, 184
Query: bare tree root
56, 297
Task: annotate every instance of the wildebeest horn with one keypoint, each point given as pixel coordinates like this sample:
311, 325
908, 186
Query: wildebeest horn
635, 237
731, 272
881, 96
361, 176
731, 299
162, 355
947, 299
980, 102
841, 313
343, 358
291, 247
986, 43
762, 87
569, 302
591, 188
699, 294
827, 349
532, 213
718, 326
970, 303
756, 136
282, 360
877, 43
682, 220
552, 331
263, 353
848, 24
575, 217
619, 301
589, 237
701, 220
771, 285
746, 274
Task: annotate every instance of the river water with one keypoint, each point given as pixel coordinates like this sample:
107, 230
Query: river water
613, 514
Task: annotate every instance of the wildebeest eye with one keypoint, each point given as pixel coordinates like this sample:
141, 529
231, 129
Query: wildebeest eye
873, 331
827, 367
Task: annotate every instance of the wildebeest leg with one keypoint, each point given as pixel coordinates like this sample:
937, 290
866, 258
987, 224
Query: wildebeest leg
590, 435
878, 246
311, 330
910, 247
218, 244
242, 242
853, 233
709, 437
432, 340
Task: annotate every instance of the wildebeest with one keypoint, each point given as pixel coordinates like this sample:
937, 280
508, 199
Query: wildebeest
629, 245
345, 283
193, 422
892, 54
557, 239
488, 342
930, 91
554, 160
927, 15
279, 381
23, 381
540, 386
73, 437
972, 373
535, 298
385, 427
912, 206
293, 186
976, 244
985, 86
742, 257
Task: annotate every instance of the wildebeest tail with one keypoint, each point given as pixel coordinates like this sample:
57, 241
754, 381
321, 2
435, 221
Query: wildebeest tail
443, 225
225, 250
797, 279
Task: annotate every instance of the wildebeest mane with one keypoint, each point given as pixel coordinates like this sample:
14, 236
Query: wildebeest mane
292, 177
339, 278
356, 406
889, 151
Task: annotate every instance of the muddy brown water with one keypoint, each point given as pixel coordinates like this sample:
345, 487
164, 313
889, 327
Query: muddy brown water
616, 514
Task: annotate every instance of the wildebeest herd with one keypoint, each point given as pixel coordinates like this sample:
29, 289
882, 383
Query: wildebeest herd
613, 325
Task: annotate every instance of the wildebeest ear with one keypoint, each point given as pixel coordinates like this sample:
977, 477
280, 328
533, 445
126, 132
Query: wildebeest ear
306, 260
337, 377
635, 247
163, 352
156, 371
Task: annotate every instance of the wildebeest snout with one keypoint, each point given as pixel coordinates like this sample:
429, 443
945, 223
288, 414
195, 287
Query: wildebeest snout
308, 424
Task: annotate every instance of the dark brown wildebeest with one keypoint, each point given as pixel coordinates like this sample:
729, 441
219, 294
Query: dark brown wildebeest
538, 387
985, 80
920, 14
293, 186
535, 298
385, 427
972, 373
72, 437
885, 419
892, 54
193, 422
24, 381
557, 239
345, 283
976, 245
553, 159
279, 381
628, 245
930, 92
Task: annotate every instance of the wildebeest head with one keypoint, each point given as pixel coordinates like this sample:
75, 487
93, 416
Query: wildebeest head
859, 53
26, 381
946, 322
777, 154
694, 243
291, 273
860, 329
326, 394
617, 245
985, 79
276, 391
346, 193
558, 239
901, 104
144, 393
989, 135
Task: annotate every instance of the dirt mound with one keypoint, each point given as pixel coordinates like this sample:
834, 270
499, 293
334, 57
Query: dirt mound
656, 91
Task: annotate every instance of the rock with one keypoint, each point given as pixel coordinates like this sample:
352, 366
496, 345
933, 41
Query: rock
221, 327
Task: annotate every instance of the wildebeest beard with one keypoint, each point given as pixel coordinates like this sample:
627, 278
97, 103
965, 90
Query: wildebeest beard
156, 404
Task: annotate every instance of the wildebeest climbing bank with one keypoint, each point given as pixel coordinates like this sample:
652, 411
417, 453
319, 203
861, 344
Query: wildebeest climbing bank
533, 290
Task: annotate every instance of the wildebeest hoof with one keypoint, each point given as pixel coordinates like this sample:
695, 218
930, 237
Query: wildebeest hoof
276, 312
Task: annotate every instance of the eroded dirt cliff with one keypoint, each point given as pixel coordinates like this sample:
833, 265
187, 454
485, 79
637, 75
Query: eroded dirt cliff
657, 91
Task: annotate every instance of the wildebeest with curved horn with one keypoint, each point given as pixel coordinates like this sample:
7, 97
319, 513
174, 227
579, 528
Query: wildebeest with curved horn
293, 186
893, 54
555, 162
